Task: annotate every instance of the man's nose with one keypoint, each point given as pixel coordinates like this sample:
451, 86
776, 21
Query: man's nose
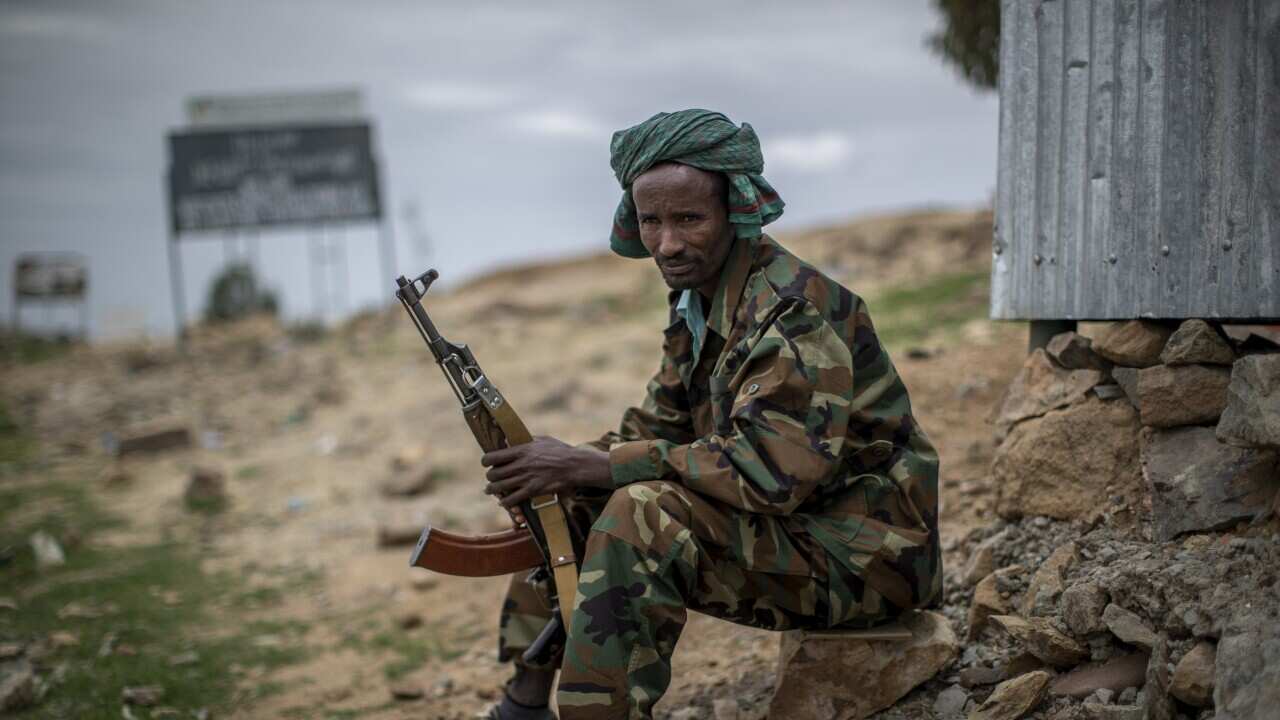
669, 245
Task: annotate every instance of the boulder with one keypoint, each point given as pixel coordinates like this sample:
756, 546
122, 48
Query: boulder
1199, 484
1158, 705
1067, 463
1169, 395
1112, 675
1196, 342
1127, 626
1041, 386
390, 535
18, 689
154, 437
47, 550
826, 676
1127, 379
1136, 343
1246, 675
1040, 638
1075, 352
982, 562
412, 482
1103, 711
1046, 585
1013, 698
1082, 607
1252, 415
206, 489
1192, 681
950, 702
986, 602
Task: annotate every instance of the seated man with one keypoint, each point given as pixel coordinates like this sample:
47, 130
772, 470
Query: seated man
774, 475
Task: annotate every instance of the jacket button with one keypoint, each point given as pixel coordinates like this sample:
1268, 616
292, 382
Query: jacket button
751, 389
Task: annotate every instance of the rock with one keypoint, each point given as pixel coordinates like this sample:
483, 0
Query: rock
412, 482
1198, 484
18, 689
1039, 387
1252, 415
1102, 695
190, 657
398, 535
48, 552
206, 489
409, 620
63, 639
1061, 465
950, 702
1046, 585
1038, 637
1247, 675
851, 678
981, 563
8, 603
1013, 698
1108, 392
687, 713
978, 676
1075, 352
1195, 342
1136, 343
986, 602
1127, 379
10, 650
1192, 681
407, 692
1158, 705
408, 457
1169, 396
1128, 627
1103, 711
734, 709
154, 437
1112, 675
422, 580
142, 695
1082, 605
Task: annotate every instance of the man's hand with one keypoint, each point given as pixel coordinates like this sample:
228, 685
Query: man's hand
542, 467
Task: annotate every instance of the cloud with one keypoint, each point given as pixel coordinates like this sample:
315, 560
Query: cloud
458, 96
815, 152
61, 25
560, 123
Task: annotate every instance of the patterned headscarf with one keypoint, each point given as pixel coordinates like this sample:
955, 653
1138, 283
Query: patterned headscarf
702, 139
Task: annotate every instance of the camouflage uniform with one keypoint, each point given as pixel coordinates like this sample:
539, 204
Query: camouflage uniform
779, 480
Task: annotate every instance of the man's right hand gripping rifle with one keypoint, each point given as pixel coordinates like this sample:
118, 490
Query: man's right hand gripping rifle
540, 537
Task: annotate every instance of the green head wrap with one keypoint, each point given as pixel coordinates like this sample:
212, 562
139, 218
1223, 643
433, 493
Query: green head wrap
705, 140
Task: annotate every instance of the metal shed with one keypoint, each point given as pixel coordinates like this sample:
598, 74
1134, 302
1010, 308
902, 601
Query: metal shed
1139, 168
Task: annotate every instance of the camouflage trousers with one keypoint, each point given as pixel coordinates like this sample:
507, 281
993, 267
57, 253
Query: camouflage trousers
655, 550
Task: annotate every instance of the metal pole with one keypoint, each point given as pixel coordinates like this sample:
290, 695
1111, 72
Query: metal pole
179, 296
343, 281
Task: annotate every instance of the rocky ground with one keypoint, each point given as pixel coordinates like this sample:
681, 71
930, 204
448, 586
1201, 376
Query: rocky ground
231, 523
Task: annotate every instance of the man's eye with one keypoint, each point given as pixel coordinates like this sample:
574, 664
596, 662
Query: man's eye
691, 218
648, 221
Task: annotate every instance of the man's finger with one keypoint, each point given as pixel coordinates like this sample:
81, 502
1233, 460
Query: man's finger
502, 487
502, 472
515, 498
500, 457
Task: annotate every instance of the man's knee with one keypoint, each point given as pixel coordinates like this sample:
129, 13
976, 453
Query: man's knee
646, 515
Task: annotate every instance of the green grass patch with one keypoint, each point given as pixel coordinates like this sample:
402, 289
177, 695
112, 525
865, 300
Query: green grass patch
30, 349
16, 447
942, 303
408, 650
143, 615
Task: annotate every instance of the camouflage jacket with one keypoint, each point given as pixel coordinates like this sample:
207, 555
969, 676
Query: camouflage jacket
793, 408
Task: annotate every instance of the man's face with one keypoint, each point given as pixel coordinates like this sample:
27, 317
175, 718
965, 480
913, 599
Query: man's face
684, 224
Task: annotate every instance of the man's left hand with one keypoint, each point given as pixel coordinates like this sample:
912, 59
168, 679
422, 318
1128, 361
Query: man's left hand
544, 466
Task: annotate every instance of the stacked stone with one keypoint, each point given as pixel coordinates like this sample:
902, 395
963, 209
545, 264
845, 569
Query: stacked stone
1143, 445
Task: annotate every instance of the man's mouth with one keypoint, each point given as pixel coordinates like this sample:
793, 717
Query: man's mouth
681, 269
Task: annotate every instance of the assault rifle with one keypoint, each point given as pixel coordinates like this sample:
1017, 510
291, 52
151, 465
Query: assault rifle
540, 535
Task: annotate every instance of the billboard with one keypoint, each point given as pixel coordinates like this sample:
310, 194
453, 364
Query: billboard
283, 108
256, 177
51, 277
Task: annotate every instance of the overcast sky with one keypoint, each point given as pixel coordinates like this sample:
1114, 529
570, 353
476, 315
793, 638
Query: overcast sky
492, 118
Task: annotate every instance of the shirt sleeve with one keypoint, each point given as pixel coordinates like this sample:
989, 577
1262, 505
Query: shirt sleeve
663, 415
784, 429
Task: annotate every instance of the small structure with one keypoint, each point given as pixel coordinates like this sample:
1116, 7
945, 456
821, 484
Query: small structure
1139, 162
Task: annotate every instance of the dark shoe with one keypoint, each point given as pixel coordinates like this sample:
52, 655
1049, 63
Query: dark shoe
509, 709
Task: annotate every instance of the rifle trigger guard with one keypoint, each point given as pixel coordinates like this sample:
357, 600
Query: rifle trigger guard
555, 498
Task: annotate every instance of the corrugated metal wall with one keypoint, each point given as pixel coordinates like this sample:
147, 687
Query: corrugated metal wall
1139, 160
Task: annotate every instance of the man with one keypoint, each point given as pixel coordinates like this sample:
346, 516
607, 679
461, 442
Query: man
774, 475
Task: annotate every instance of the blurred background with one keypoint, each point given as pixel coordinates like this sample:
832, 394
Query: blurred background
490, 129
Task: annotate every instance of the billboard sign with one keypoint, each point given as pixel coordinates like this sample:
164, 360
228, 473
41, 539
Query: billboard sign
256, 177
339, 106
51, 277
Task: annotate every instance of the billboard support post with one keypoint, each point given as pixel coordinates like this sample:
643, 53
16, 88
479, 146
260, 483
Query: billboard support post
179, 296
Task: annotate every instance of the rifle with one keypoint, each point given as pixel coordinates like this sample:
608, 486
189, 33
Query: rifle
540, 537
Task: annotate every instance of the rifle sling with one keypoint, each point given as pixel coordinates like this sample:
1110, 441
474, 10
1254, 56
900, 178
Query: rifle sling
555, 527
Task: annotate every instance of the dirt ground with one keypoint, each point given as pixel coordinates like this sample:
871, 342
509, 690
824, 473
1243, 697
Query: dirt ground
306, 430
